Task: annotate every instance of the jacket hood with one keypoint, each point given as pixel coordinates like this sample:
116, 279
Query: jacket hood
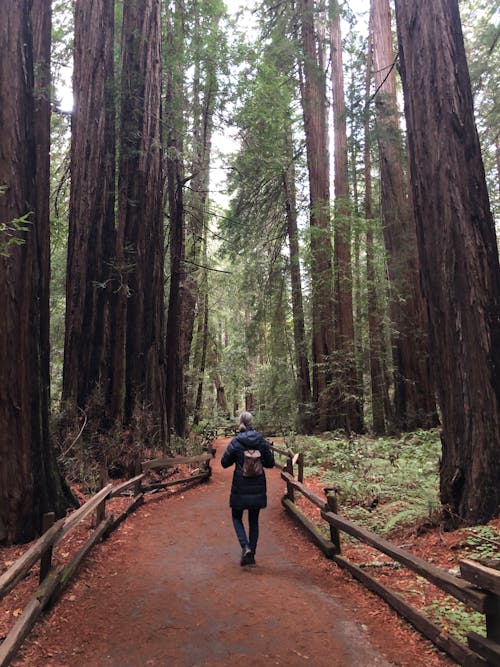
249, 438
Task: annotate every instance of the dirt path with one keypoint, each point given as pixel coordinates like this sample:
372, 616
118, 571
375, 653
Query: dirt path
167, 589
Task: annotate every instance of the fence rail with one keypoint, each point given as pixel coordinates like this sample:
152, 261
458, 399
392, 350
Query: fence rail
478, 587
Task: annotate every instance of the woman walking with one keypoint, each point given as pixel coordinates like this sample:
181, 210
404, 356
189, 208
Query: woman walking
250, 453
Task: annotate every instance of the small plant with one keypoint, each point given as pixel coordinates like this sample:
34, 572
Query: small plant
483, 543
11, 232
455, 619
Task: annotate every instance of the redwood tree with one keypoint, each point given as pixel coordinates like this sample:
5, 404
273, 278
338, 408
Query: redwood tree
29, 481
91, 212
303, 419
375, 320
458, 253
208, 43
313, 104
348, 413
174, 354
139, 366
414, 403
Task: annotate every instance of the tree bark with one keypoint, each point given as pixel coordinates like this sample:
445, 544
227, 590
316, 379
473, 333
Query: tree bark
41, 17
175, 398
304, 421
220, 395
30, 483
204, 97
202, 344
313, 105
375, 324
140, 220
92, 199
414, 403
458, 254
348, 413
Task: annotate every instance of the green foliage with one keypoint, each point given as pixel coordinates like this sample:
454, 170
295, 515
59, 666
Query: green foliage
399, 476
481, 33
12, 232
455, 618
482, 542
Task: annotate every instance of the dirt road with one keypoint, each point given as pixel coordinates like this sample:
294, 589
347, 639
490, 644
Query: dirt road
167, 589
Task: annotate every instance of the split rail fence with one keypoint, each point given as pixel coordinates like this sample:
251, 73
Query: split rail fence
54, 579
478, 587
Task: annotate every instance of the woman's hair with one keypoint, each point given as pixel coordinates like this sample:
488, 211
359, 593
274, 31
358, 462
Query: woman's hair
246, 421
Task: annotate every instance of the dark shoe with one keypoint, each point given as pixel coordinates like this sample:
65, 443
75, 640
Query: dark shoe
247, 557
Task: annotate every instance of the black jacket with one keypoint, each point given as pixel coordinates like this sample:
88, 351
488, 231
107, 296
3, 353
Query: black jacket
247, 492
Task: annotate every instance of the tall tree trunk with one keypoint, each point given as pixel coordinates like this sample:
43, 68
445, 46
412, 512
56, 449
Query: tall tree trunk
458, 253
204, 97
199, 359
29, 481
375, 323
41, 17
304, 421
313, 104
202, 344
348, 411
359, 324
220, 395
140, 220
414, 401
175, 398
91, 212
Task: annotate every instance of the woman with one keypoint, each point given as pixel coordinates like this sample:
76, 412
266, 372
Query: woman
247, 492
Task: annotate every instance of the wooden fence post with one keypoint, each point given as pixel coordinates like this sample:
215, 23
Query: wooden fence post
300, 465
100, 513
488, 579
289, 488
493, 620
332, 506
46, 559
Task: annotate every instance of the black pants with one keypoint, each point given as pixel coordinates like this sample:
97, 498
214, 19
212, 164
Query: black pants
253, 528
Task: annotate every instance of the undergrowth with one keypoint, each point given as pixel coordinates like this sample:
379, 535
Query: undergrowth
397, 477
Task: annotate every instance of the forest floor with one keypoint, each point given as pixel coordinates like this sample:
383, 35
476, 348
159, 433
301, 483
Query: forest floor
167, 589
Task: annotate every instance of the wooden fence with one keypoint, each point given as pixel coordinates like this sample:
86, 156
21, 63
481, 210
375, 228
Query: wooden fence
53, 580
478, 587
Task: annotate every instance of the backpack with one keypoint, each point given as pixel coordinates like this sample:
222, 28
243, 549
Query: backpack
252, 463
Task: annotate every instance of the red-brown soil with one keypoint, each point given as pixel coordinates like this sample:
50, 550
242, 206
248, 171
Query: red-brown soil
167, 589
